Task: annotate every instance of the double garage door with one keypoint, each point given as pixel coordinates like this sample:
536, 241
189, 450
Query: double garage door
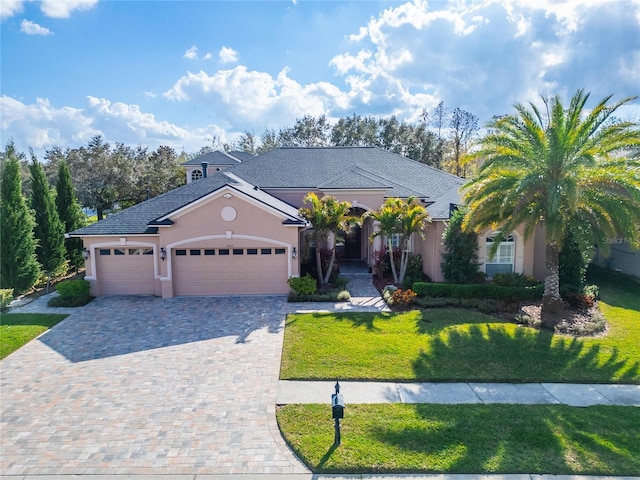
230, 271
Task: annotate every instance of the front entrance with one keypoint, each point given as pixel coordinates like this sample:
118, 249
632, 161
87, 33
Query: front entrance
353, 244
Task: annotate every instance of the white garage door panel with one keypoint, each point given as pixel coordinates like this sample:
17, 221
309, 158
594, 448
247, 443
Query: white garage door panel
125, 271
239, 274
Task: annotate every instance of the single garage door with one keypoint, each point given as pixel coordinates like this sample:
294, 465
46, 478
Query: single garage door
125, 271
230, 271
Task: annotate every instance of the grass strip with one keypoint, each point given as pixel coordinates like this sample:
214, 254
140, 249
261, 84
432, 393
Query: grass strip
453, 345
462, 345
17, 329
398, 438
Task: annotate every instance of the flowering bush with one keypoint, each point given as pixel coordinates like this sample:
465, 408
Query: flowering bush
402, 298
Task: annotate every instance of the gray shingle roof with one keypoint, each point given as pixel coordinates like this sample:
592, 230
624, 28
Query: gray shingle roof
217, 158
136, 219
329, 167
296, 168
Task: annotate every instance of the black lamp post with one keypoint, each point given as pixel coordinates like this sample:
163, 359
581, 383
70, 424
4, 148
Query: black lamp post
337, 408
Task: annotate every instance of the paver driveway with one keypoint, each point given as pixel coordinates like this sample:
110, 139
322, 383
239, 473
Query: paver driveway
141, 385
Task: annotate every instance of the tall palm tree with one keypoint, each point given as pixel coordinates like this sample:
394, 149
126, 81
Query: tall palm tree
560, 168
327, 215
403, 218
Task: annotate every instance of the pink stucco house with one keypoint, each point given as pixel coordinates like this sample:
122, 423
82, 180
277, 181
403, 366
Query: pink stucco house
234, 228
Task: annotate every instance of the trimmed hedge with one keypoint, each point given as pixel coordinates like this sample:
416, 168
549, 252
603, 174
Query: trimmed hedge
477, 291
73, 288
334, 296
303, 285
6, 295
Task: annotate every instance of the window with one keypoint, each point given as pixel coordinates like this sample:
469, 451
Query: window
223, 251
105, 251
134, 251
238, 251
210, 252
252, 251
147, 251
118, 251
194, 252
280, 251
395, 242
180, 253
503, 260
265, 251
196, 175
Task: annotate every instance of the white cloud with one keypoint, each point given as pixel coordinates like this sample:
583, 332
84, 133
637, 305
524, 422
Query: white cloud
251, 99
484, 56
63, 8
41, 126
51, 8
9, 8
191, 54
32, 28
228, 55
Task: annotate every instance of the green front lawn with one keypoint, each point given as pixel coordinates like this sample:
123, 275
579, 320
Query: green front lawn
462, 345
16, 329
558, 439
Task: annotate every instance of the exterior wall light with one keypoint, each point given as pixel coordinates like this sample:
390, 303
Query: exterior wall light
163, 254
294, 252
86, 254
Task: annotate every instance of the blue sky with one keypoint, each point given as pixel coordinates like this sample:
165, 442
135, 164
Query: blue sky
180, 73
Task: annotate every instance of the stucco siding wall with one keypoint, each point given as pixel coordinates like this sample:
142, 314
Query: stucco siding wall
431, 250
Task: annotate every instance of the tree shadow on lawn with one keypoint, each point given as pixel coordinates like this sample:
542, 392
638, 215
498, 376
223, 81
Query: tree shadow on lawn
509, 353
531, 439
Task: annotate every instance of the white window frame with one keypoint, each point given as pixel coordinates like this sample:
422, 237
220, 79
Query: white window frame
395, 241
196, 175
505, 255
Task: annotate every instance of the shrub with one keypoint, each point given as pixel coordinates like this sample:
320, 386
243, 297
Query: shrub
382, 264
72, 293
6, 295
73, 289
303, 285
339, 283
398, 297
414, 266
460, 258
333, 296
574, 258
513, 279
477, 291
343, 296
583, 298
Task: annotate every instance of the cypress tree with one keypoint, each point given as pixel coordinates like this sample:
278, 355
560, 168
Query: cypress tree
460, 259
19, 268
70, 214
49, 230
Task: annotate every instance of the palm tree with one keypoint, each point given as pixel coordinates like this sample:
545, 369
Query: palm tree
563, 169
402, 218
328, 216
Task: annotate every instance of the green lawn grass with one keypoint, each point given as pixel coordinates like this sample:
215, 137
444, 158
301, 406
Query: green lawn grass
16, 329
461, 345
556, 439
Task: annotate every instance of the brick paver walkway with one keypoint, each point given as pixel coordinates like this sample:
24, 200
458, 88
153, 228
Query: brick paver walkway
142, 385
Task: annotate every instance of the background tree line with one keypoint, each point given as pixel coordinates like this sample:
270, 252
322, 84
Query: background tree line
440, 139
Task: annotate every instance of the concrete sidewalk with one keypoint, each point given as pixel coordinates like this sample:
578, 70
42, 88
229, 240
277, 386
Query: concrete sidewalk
576, 395
311, 476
